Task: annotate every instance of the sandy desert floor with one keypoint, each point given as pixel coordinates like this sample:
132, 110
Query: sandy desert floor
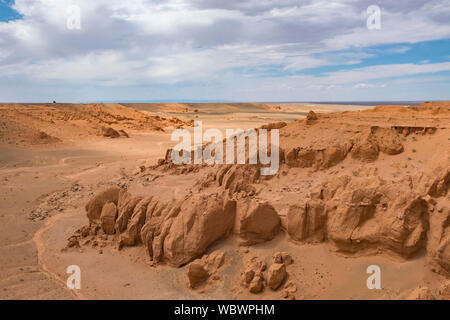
54, 159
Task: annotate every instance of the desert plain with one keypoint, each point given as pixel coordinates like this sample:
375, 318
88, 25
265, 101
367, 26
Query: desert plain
93, 185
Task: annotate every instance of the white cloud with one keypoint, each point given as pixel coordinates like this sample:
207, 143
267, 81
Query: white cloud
154, 43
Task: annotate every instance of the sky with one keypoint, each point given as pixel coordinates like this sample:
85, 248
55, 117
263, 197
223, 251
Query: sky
216, 50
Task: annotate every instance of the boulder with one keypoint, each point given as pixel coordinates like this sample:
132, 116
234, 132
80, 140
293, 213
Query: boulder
256, 284
197, 274
110, 133
376, 139
95, 205
311, 117
252, 277
276, 275
201, 221
365, 148
256, 222
286, 259
388, 140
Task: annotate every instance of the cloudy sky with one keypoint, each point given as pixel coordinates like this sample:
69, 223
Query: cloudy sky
248, 50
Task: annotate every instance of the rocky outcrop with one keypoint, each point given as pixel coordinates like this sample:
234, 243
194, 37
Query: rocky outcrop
307, 223
368, 214
317, 158
370, 143
237, 178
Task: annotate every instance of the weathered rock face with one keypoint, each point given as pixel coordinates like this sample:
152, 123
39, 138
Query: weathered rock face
438, 246
126, 205
370, 213
388, 140
95, 205
307, 223
201, 222
108, 217
369, 144
317, 158
159, 217
256, 222
362, 213
132, 234
237, 178
359, 214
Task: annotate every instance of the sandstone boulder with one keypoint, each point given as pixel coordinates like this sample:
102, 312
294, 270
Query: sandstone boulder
276, 275
110, 132
200, 222
282, 257
256, 284
197, 274
256, 222
95, 205
311, 117
388, 140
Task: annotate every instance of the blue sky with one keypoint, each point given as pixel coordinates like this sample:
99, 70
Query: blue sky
6, 11
252, 50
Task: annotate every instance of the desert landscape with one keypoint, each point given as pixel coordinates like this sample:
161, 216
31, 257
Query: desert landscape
94, 185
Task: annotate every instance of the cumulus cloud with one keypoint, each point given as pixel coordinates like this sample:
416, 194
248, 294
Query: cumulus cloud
196, 42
